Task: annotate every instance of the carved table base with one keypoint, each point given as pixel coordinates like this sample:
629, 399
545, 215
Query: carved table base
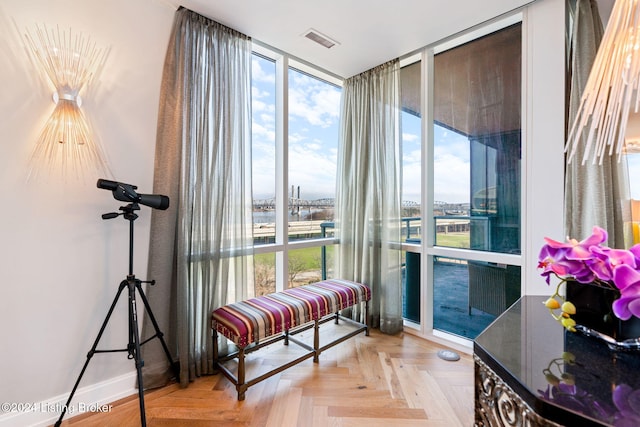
497, 405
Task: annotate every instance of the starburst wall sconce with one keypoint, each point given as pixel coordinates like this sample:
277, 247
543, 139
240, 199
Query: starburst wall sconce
611, 96
66, 145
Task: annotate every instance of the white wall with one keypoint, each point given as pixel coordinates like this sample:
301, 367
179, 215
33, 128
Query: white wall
543, 135
60, 263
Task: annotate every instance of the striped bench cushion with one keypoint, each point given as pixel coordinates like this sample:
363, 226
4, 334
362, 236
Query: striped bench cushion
250, 321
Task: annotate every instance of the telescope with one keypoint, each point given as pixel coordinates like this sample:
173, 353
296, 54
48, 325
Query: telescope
127, 193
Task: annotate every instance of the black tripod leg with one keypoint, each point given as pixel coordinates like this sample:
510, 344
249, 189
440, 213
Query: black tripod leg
134, 333
91, 352
159, 334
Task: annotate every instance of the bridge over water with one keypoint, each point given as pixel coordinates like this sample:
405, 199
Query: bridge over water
270, 204
325, 203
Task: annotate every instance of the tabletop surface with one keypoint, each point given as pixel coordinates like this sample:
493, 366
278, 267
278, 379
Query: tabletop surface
566, 377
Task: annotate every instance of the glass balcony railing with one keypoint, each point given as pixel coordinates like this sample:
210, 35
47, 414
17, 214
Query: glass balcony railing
467, 295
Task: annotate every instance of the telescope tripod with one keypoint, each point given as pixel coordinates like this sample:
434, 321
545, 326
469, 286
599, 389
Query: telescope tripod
131, 284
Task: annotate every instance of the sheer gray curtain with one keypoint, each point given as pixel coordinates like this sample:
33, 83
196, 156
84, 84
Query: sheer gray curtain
594, 194
368, 191
199, 252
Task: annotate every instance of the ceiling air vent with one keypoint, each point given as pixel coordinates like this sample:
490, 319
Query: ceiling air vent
320, 38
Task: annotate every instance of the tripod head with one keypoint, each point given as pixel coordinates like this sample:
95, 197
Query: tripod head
127, 193
128, 212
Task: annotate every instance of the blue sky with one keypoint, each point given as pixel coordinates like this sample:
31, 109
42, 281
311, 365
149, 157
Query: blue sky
263, 127
314, 109
451, 168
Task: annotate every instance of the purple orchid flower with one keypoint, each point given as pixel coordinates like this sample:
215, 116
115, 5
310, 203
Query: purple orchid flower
579, 250
605, 260
554, 261
627, 279
635, 250
588, 261
625, 276
570, 259
629, 303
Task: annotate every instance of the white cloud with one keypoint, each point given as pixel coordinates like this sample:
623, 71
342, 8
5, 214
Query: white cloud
268, 118
411, 182
295, 137
314, 101
257, 93
451, 177
262, 133
258, 106
410, 137
313, 170
411, 156
261, 75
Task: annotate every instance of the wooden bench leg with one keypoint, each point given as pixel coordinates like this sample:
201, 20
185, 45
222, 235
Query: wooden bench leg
366, 318
214, 337
316, 340
286, 337
240, 387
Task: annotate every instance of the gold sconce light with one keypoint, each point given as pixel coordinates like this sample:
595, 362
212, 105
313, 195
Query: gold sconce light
69, 62
611, 93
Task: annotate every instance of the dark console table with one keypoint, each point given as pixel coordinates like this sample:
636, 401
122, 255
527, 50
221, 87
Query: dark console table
530, 372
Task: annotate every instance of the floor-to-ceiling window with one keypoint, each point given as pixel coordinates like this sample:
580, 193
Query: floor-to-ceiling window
263, 127
467, 216
411, 148
295, 137
462, 208
474, 180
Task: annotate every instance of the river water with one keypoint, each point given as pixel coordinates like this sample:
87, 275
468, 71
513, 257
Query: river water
268, 217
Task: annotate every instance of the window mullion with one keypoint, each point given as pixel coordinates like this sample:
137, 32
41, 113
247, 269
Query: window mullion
282, 166
428, 226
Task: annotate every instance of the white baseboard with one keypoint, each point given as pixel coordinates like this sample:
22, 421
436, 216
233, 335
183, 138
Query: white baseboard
96, 397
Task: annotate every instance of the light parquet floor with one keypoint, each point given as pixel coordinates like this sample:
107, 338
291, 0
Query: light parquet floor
372, 381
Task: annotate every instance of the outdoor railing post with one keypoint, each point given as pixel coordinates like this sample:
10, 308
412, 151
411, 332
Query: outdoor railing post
323, 251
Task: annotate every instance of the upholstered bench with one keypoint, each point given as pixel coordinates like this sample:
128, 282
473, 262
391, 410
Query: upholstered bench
257, 322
